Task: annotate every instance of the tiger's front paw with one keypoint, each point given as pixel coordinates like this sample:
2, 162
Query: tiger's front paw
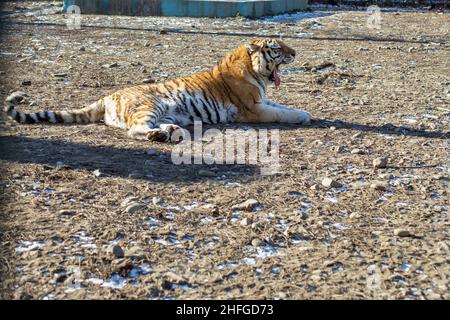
303, 117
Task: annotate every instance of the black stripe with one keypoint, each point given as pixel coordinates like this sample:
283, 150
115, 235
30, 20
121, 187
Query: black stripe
42, 118
17, 117
197, 113
28, 118
214, 107
208, 113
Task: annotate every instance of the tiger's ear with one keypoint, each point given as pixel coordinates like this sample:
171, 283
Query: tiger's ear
251, 47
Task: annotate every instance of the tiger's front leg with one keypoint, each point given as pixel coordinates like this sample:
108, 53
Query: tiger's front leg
270, 111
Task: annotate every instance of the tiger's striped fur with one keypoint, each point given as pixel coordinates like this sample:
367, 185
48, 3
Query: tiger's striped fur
233, 91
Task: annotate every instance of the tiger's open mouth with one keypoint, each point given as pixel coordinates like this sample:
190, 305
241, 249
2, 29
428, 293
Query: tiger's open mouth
275, 77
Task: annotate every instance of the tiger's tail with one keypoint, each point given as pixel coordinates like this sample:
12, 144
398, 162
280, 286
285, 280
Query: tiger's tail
92, 113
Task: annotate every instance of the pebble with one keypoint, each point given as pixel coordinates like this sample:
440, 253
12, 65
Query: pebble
247, 205
379, 162
82, 48
111, 65
377, 185
148, 80
60, 75
67, 212
317, 142
330, 183
257, 242
117, 251
134, 207
357, 151
354, 215
156, 201
332, 128
315, 278
337, 149
315, 187
98, 173
358, 136
128, 200
206, 173
26, 82
402, 232
245, 222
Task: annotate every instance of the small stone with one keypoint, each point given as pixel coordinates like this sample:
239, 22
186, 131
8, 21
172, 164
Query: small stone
134, 207
117, 251
245, 222
98, 173
206, 173
337, 149
257, 242
26, 82
315, 187
357, 151
67, 212
111, 65
381, 186
411, 49
128, 200
379, 162
402, 233
317, 142
386, 176
247, 205
148, 80
330, 183
354, 215
315, 278
163, 32
82, 48
156, 201
332, 128
358, 136
60, 75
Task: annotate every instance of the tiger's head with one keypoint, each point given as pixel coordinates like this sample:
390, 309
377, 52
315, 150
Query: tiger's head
267, 55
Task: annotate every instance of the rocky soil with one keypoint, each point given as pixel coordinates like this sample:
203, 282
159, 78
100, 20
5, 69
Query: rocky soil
359, 209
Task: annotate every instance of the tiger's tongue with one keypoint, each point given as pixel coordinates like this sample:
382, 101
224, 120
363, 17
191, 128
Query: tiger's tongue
276, 78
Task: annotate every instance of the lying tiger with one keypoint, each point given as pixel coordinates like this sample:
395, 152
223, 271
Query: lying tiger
233, 91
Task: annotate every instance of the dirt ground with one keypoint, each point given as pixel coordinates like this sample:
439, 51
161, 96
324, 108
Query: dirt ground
75, 197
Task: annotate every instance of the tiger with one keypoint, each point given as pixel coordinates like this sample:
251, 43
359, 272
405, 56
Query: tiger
234, 90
